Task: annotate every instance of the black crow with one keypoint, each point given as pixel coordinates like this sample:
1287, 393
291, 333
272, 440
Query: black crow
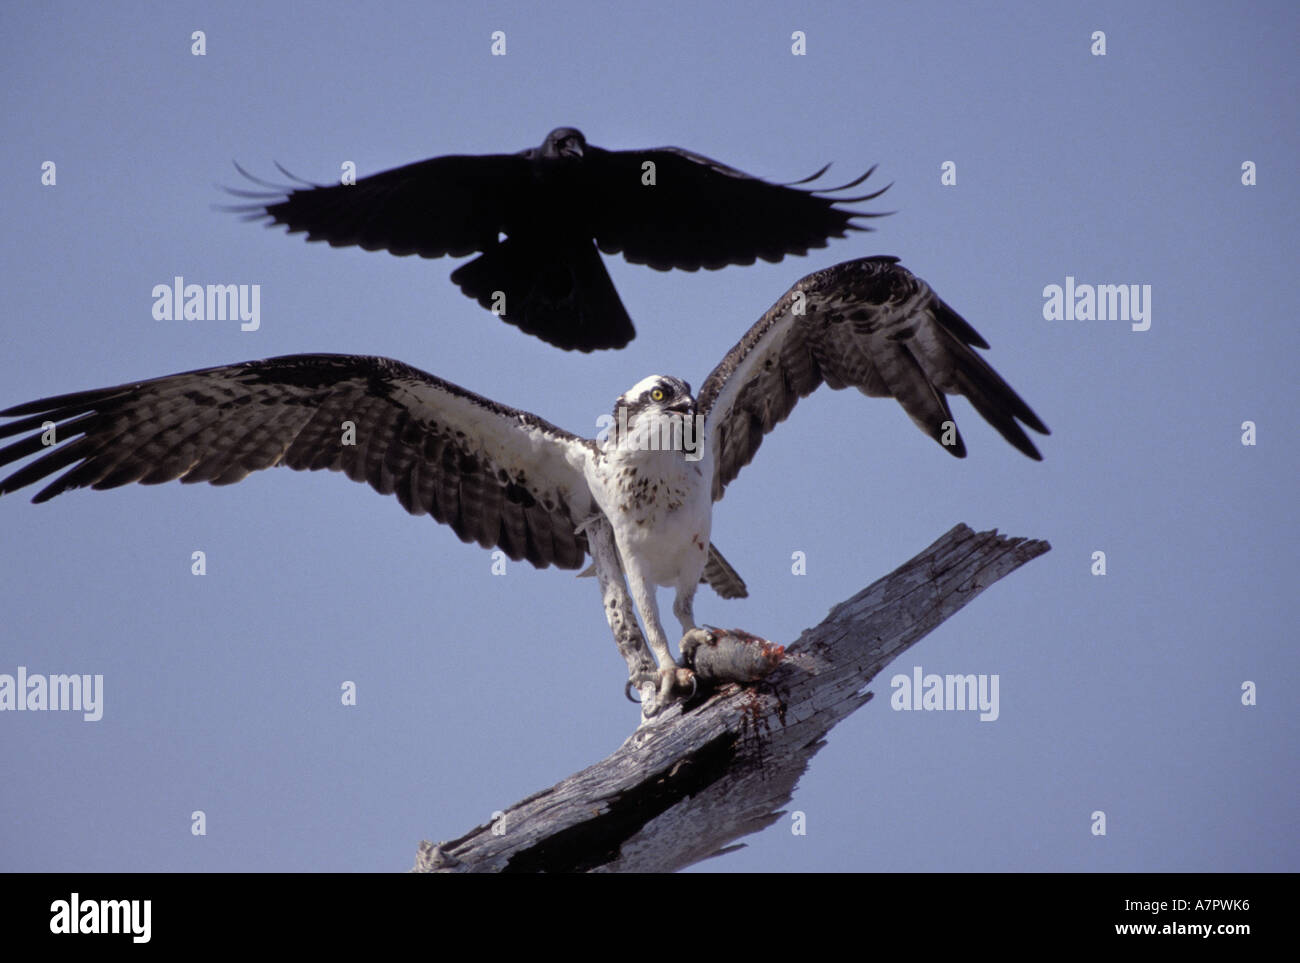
533, 216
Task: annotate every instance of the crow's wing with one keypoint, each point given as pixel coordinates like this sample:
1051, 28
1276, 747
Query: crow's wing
453, 205
700, 213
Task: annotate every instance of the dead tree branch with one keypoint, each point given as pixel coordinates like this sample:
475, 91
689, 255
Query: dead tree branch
690, 783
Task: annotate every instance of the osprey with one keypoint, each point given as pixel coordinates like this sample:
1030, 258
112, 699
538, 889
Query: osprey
506, 478
534, 216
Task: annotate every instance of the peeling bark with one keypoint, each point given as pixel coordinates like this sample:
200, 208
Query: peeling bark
690, 782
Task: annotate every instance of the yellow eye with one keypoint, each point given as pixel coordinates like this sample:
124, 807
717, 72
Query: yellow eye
657, 394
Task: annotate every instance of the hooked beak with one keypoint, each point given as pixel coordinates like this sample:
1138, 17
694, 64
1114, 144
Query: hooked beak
684, 407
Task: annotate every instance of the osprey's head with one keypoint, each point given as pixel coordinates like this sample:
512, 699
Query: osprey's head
656, 395
657, 414
564, 142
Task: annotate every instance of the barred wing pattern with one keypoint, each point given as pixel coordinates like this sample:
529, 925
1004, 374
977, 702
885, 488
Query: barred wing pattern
869, 324
500, 477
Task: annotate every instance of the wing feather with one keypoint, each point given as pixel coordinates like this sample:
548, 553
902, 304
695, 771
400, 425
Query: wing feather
869, 324
700, 213
532, 217
500, 477
451, 205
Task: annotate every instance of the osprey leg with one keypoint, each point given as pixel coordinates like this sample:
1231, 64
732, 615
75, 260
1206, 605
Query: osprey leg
617, 602
684, 609
672, 677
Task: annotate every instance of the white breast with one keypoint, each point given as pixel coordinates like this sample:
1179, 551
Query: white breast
661, 510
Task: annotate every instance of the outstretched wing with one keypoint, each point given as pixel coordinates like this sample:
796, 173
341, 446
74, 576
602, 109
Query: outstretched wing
503, 478
453, 205
700, 213
869, 324
551, 203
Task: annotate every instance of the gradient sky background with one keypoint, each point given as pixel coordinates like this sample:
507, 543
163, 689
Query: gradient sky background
1119, 693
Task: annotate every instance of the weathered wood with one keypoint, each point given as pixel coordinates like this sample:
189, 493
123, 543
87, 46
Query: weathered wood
692, 781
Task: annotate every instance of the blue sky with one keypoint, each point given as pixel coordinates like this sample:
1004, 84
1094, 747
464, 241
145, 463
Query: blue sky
1119, 693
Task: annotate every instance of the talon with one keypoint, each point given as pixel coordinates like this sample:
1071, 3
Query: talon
661, 688
635, 684
683, 678
693, 639
667, 680
674, 680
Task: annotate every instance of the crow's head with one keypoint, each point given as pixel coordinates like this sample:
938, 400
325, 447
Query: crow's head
564, 142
